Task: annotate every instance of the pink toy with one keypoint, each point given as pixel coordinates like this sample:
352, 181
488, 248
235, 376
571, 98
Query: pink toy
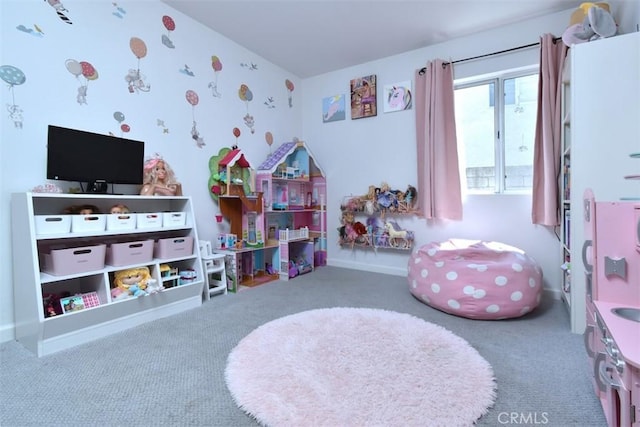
475, 279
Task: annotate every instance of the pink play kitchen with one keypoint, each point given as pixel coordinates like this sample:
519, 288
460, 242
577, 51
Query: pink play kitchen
611, 258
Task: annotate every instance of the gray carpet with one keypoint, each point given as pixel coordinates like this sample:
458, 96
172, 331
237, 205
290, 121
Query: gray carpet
171, 372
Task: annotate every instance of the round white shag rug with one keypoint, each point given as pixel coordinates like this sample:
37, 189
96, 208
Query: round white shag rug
358, 367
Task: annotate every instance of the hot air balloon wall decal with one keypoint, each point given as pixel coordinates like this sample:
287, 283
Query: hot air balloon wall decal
170, 25
13, 76
290, 87
135, 79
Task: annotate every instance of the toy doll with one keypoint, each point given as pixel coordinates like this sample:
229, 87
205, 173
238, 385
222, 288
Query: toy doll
159, 179
119, 209
133, 280
82, 210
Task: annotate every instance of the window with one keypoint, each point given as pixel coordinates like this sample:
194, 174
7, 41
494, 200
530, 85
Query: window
495, 125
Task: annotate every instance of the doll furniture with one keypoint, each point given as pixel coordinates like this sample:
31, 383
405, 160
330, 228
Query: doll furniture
213, 268
475, 279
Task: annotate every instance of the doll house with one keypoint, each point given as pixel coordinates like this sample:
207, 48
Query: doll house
294, 193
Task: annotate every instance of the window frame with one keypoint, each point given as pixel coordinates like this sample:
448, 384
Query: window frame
497, 79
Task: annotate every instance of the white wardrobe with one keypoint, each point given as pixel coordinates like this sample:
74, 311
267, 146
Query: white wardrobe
605, 131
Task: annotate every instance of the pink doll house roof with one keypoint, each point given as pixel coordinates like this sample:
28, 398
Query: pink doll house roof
280, 155
234, 157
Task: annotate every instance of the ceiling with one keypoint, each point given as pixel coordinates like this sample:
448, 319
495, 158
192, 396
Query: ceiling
312, 37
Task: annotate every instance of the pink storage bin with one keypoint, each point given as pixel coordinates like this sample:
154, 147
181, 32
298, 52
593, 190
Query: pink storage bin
149, 220
139, 252
88, 223
53, 224
121, 221
174, 247
61, 262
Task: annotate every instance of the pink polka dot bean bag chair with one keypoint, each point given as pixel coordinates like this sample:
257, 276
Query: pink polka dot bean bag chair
475, 279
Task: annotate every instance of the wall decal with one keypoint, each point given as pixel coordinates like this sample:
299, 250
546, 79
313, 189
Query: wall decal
397, 97
119, 12
186, 70
60, 9
216, 64
363, 97
251, 67
333, 108
35, 31
289, 84
161, 124
85, 69
245, 94
193, 99
170, 25
124, 128
269, 102
13, 76
269, 138
135, 78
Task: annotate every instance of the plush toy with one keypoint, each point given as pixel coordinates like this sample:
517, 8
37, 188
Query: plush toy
133, 281
590, 21
118, 294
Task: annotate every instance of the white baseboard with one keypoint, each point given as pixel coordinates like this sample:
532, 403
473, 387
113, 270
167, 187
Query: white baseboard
7, 333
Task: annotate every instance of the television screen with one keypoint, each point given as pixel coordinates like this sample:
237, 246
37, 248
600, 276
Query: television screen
75, 155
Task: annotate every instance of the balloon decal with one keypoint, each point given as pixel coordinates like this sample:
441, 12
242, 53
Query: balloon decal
269, 138
13, 76
135, 79
124, 128
289, 84
170, 25
245, 94
236, 133
88, 73
217, 67
193, 99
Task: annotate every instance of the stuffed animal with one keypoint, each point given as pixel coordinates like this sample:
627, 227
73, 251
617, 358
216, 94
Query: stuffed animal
590, 21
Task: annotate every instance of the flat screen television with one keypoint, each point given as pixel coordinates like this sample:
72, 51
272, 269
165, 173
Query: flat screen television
95, 159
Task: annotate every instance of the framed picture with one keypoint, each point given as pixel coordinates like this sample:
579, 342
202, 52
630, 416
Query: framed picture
363, 97
333, 109
397, 97
71, 304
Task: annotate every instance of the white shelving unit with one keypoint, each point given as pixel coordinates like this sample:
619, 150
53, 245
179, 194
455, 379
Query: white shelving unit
45, 335
565, 184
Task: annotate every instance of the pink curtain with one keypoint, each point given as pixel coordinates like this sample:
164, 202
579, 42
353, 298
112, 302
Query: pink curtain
439, 194
546, 152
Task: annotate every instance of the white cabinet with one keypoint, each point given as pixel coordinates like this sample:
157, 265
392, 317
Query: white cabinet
85, 268
605, 129
565, 184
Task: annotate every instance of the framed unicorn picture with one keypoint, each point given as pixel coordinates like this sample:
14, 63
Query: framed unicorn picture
397, 97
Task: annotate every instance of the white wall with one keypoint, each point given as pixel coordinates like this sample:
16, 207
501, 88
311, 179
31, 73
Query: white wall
99, 37
369, 151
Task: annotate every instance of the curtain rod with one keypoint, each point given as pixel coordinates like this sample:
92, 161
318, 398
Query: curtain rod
526, 46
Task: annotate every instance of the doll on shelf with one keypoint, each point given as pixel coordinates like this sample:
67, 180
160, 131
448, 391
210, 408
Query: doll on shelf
82, 210
133, 281
159, 179
119, 209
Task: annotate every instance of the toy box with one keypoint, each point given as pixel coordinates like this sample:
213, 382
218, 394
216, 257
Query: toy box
88, 223
173, 247
53, 224
60, 262
128, 253
149, 220
121, 221
173, 219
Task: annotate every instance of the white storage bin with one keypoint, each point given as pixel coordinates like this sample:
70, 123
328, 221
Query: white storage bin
149, 220
121, 221
174, 219
61, 262
173, 247
127, 253
86, 223
53, 224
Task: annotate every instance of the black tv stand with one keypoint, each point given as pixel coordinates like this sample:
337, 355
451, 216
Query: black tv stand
96, 187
